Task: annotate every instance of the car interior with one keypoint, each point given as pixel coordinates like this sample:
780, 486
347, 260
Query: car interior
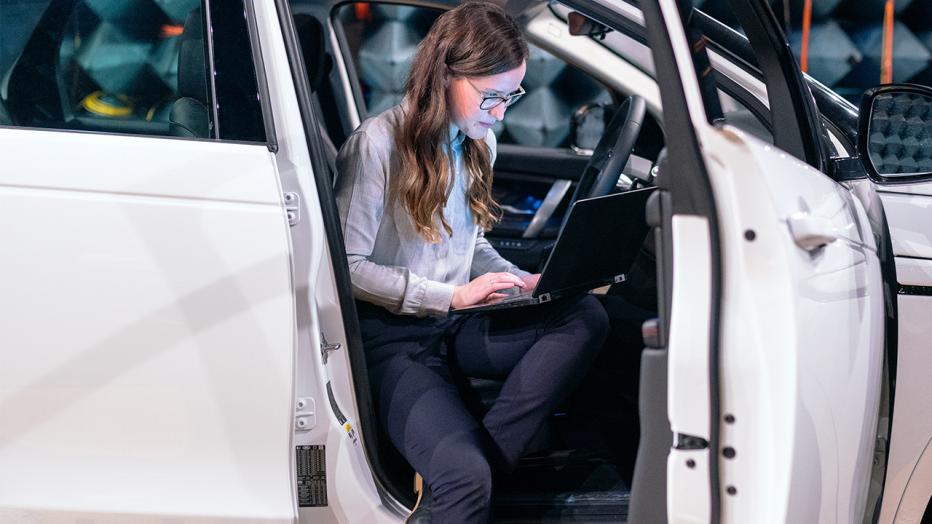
581, 465
89, 87
611, 437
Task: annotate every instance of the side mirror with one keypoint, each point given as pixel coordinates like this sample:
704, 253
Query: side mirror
895, 131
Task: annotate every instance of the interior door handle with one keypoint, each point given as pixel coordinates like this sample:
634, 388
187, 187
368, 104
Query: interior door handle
811, 232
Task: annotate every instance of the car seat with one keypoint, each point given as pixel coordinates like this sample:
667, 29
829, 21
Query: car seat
5, 119
318, 64
190, 116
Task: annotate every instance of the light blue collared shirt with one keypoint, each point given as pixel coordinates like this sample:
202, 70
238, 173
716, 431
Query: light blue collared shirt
390, 264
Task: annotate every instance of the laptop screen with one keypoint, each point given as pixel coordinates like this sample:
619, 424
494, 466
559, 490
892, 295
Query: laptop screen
598, 242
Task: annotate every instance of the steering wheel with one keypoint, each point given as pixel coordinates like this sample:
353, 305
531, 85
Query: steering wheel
613, 150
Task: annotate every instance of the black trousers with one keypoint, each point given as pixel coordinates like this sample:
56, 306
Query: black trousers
540, 352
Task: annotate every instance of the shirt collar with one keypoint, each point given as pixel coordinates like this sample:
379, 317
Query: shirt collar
456, 136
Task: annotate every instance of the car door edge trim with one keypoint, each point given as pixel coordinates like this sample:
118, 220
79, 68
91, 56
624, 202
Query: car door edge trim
211, 67
694, 181
271, 139
924, 291
338, 255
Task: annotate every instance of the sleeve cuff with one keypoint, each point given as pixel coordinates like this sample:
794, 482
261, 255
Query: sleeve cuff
437, 299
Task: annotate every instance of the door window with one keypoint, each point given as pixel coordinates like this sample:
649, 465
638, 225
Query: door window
132, 67
382, 41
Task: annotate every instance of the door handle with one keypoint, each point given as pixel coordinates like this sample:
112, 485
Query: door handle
811, 232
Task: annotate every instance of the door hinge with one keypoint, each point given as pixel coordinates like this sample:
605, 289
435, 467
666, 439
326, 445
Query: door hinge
326, 348
292, 207
305, 414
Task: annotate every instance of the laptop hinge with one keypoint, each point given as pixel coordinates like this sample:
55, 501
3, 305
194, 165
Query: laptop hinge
619, 278
544, 297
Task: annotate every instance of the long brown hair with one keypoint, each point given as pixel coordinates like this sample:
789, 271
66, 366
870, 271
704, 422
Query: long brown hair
475, 39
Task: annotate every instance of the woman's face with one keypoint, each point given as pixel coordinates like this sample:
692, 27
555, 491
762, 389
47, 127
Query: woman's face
466, 93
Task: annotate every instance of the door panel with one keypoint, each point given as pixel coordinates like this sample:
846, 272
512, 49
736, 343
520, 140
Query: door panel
806, 456
910, 218
539, 161
906, 490
798, 371
914, 271
148, 323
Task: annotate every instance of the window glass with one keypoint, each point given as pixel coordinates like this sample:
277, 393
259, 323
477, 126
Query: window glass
383, 39
636, 52
238, 98
129, 67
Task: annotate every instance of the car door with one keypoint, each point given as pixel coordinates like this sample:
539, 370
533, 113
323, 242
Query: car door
902, 178
773, 318
148, 312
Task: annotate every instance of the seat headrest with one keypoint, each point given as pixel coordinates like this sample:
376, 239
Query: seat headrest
316, 59
192, 74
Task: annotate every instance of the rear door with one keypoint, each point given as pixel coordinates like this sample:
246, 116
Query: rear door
775, 311
147, 307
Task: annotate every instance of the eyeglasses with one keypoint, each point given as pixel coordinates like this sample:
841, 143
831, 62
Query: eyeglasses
492, 101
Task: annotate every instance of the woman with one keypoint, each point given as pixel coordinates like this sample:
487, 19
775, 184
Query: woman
414, 192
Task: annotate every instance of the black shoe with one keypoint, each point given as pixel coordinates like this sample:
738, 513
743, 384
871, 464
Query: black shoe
421, 512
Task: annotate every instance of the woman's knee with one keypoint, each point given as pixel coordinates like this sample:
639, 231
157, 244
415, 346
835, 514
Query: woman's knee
589, 314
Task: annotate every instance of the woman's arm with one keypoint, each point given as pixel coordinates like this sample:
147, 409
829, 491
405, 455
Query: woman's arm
360, 195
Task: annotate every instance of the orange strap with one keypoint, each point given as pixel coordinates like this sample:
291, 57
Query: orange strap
362, 11
886, 57
807, 23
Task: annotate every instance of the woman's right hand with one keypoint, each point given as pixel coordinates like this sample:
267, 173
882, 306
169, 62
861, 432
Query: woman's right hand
484, 288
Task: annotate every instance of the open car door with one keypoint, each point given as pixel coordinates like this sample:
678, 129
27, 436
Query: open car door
772, 303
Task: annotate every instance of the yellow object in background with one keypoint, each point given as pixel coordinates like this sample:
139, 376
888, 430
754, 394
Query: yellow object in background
104, 104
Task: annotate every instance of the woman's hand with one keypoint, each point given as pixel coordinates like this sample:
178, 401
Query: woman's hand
485, 288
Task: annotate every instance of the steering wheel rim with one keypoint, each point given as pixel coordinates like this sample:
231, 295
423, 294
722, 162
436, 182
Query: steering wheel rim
613, 150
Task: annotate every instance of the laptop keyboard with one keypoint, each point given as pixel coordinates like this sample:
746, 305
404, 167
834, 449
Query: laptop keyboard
514, 293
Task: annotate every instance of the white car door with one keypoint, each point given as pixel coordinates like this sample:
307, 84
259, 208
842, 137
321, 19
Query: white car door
774, 318
893, 145
148, 318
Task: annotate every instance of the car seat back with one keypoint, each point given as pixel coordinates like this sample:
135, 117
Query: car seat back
318, 64
190, 116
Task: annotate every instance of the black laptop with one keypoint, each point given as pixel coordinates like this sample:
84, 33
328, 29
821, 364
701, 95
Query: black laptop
596, 246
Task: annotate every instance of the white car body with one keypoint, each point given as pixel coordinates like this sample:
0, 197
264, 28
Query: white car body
163, 324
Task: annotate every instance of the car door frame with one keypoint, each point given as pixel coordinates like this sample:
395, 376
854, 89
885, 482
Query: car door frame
697, 202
